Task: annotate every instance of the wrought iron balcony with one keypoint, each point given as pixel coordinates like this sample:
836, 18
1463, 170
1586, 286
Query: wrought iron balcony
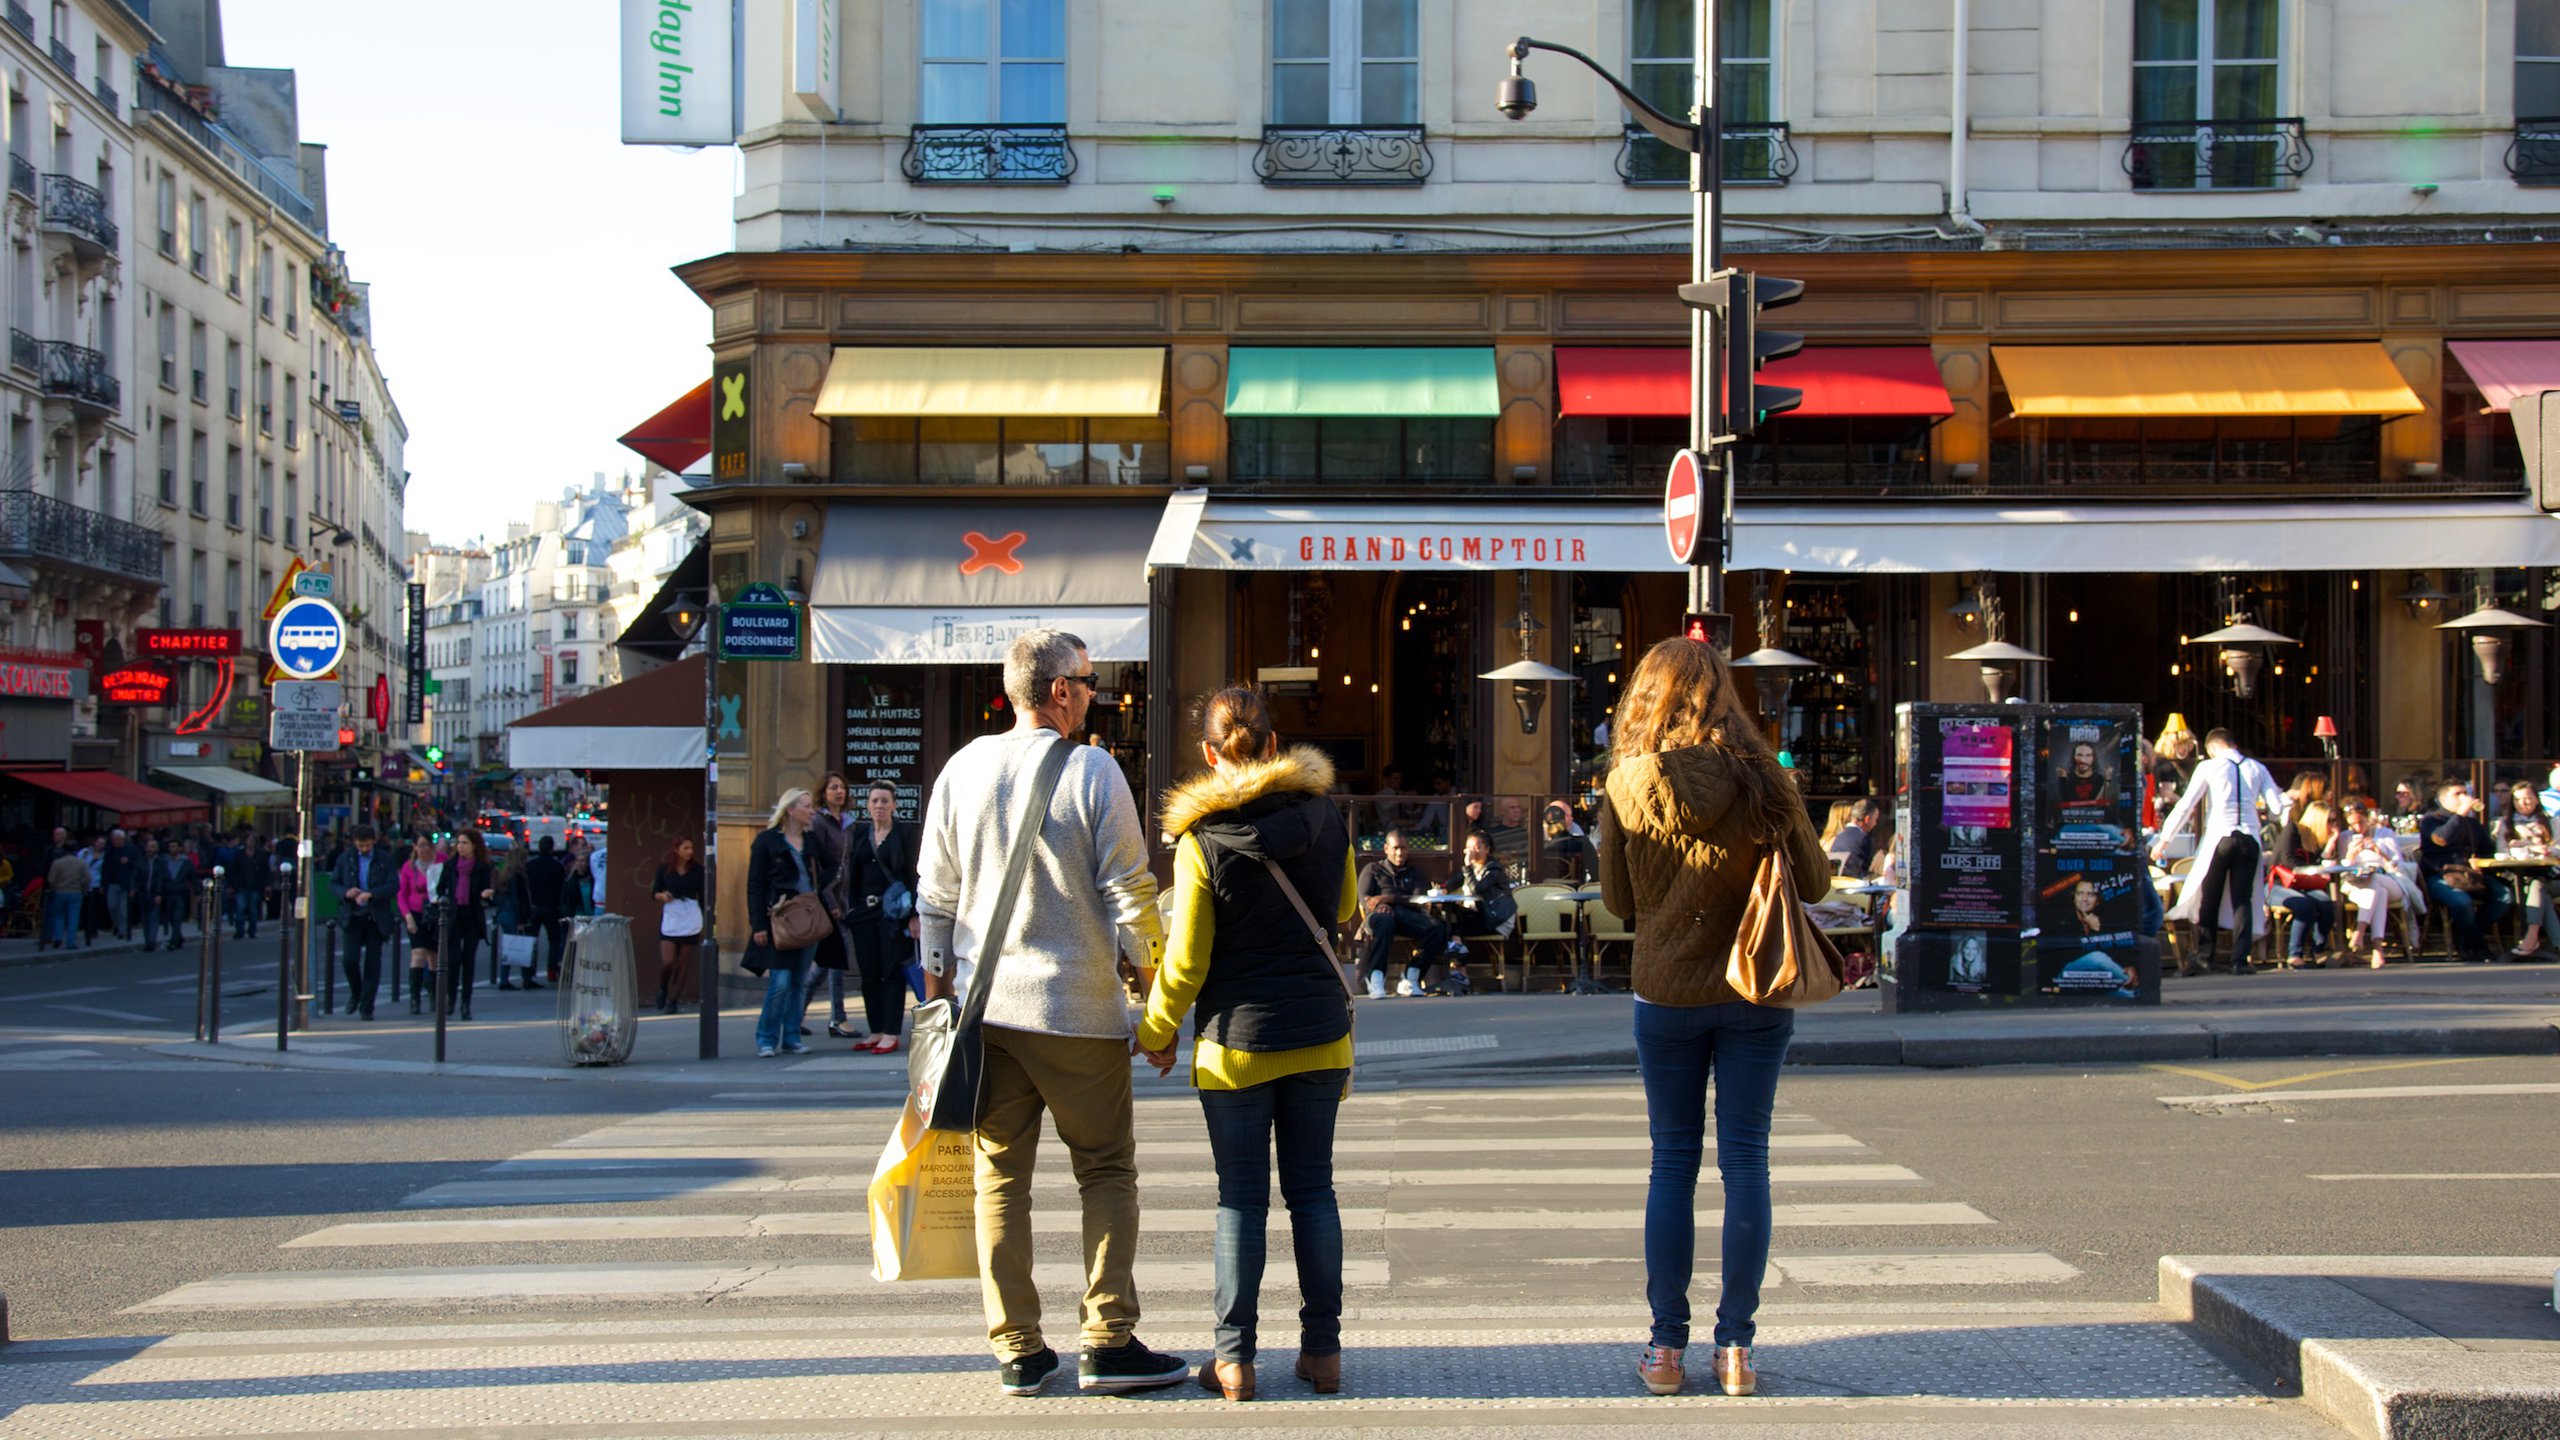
22, 176
988, 155
2533, 157
78, 374
1760, 153
2217, 154
78, 210
107, 95
21, 21
43, 528
1336, 155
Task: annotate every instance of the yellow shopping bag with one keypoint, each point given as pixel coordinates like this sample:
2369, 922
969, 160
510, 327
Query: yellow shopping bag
924, 1223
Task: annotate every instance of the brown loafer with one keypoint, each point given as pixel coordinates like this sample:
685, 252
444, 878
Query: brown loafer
1733, 1370
1227, 1378
1323, 1372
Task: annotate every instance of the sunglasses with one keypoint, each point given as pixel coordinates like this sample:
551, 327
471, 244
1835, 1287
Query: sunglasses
1089, 680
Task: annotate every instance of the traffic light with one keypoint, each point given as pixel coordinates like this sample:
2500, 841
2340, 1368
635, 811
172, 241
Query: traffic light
1747, 347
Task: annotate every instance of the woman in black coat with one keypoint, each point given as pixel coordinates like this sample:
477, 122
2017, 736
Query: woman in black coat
786, 860
471, 881
880, 884
830, 957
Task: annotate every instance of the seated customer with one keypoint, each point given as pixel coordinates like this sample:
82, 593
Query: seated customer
1495, 912
1387, 909
1568, 851
2367, 855
1853, 850
2450, 837
1507, 830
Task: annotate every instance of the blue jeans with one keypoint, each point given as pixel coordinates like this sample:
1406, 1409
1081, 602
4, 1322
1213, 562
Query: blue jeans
2468, 913
779, 1023
62, 917
1299, 1110
244, 913
1677, 1048
2313, 917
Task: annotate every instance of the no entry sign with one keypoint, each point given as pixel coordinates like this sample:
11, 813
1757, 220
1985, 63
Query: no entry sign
1684, 504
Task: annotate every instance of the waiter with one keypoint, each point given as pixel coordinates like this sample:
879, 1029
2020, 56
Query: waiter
2229, 787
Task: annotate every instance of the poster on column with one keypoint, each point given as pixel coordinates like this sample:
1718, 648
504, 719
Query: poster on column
1967, 871
2089, 916
2090, 786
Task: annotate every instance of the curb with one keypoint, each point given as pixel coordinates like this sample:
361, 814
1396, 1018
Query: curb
2116, 1044
2374, 1372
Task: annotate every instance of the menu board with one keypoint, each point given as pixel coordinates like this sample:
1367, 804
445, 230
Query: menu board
883, 717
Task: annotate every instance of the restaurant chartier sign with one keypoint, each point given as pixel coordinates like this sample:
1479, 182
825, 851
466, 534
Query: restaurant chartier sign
677, 81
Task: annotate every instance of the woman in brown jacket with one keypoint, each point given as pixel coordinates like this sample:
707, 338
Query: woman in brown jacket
1694, 796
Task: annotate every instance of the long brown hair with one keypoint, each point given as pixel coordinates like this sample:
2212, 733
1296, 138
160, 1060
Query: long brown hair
1681, 696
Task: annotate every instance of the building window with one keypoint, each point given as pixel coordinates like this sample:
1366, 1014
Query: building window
199, 342
568, 669
1755, 144
1039, 451
995, 62
292, 411
266, 501
231, 257
2534, 157
168, 464
231, 378
266, 282
2207, 82
166, 326
231, 486
1360, 450
1345, 62
266, 397
166, 210
195, 237
199, 462
292, 299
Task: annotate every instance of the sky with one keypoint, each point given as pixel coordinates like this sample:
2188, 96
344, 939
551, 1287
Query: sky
519, 253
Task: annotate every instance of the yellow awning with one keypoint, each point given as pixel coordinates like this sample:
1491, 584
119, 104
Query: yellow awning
2203, 380
1017, 381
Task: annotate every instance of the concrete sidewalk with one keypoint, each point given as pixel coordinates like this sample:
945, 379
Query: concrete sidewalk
2419, 1010
2398, 1347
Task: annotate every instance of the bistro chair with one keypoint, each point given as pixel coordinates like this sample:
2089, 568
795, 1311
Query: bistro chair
1546, 918
1610, 928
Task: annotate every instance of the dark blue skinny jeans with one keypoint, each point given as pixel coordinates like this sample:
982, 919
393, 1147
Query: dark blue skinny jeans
1679, 1048
1298, 1112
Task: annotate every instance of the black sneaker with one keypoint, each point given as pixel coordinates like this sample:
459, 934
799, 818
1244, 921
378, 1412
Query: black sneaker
1129, 1365
1025, 1374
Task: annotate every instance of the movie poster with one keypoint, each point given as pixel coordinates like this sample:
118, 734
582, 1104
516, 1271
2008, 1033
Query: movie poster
1975, 774
2088, 784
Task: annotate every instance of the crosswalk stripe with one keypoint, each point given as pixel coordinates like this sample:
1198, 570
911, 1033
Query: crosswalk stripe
313, 1289
1196, 1146
1880, 1215
102, 1010
1045, 1220
1987, 1267
1581, 1179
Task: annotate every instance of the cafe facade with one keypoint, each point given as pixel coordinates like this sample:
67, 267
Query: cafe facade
1367, 481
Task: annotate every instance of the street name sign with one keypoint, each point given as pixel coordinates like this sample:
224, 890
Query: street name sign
303, 714
761, 624
307, 638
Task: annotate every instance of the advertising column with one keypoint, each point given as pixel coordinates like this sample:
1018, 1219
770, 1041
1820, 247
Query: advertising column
2090, 870
1962, 837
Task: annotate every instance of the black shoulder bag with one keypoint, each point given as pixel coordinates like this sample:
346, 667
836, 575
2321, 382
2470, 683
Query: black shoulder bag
947, 1058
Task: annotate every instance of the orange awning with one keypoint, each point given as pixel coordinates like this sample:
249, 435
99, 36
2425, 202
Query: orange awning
678, 436
2202, 380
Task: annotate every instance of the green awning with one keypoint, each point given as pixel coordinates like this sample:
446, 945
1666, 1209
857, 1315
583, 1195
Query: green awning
1321, 381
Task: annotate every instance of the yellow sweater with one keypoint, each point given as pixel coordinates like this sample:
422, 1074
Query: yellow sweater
1189, 939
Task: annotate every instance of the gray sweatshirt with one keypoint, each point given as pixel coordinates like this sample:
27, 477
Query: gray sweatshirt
1059, 970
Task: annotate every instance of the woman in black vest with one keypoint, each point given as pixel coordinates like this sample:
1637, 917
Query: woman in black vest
1271, 1052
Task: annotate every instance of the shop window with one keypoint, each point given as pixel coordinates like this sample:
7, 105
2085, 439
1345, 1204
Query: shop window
1852, 453
986, 451
2233, 454
2481, 452
1360, 450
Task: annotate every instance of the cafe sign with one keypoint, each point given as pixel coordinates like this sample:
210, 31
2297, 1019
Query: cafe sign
140, 683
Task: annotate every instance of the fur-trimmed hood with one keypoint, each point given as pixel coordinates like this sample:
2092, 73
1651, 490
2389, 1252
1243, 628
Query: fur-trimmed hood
1299, 772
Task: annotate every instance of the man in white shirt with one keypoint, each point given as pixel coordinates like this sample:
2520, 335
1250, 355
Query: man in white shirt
2229, 787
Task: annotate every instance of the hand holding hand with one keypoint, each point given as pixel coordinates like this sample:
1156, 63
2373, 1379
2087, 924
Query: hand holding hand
1161, 1059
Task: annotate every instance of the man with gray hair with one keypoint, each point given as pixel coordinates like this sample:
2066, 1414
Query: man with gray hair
1057, 1025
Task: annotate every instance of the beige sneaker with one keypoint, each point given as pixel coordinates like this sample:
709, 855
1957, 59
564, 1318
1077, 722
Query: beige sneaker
1733, 1370
1660, 1369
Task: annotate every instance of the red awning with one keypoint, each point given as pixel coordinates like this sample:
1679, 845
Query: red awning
134, 806
1837, 381
678, 436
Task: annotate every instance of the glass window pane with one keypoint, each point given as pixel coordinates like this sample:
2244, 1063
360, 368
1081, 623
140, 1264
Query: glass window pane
1387, 94
1301, 93
2244, 29
954, 95
1360, 449
2538, 89
1742, 91
2244, 92
2164, 29
1669, 88
1131, 452
2538, 27
1663, 30
1448, 450
1387, 29
1034, 94
1276, 449
957, 452
1044, 452
1743, 30
1033, 30
1301, 29
875, 450
2164, 92
955, 29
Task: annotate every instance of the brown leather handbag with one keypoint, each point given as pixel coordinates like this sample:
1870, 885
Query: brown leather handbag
1780, 957
799, 921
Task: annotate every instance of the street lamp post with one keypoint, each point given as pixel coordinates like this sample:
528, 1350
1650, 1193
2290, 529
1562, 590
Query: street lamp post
687, 617
1700, 138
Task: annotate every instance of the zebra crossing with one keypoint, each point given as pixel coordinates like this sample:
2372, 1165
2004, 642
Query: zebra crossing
1485, 1194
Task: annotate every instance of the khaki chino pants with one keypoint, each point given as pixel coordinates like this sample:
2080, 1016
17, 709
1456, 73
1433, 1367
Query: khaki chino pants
1084, 1082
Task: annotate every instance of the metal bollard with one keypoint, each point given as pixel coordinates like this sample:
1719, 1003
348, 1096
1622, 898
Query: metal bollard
204, 976
444, 969
329, 969
213, 960
297, 967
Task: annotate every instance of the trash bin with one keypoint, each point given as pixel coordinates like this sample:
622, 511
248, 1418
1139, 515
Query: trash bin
599, 993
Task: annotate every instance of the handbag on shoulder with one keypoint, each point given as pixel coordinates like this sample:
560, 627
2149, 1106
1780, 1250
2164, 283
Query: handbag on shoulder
1780, 957
798, 922
946, 1055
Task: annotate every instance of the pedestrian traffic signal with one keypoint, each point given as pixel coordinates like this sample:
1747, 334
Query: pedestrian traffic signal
1747, 347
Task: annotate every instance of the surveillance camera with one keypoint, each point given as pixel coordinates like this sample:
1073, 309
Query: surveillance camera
1517, 96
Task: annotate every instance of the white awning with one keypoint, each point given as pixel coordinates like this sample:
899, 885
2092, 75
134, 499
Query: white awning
227, 782
1872, 539
604, 747
966, 635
